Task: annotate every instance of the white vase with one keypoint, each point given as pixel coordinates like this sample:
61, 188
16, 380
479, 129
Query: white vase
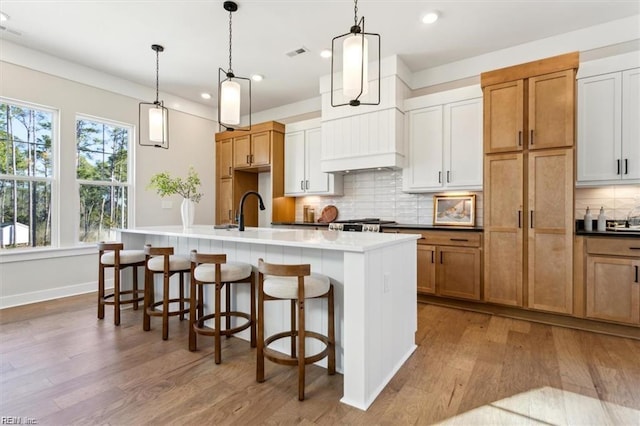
187, 209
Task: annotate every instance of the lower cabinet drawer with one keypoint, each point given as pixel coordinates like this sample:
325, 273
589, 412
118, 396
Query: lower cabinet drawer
629, 247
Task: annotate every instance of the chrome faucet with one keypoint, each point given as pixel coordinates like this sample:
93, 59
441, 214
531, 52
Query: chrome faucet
241, 208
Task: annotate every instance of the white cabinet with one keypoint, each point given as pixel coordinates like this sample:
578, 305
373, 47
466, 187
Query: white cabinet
445, 142
302, 174
608, 128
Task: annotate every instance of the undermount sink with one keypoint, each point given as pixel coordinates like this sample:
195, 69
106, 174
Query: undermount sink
226, 226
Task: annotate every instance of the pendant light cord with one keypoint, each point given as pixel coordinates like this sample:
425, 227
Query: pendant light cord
157, 76
230, 33
355, 13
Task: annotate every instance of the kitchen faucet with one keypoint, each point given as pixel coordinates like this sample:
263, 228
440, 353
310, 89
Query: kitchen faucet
241, 208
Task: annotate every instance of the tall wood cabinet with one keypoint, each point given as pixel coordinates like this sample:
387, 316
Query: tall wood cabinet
240, 159
528, 184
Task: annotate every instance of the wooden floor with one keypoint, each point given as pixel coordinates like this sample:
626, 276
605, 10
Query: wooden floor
60, 365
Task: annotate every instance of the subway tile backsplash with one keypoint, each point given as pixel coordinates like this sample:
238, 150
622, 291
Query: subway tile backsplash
379, 194
617, 200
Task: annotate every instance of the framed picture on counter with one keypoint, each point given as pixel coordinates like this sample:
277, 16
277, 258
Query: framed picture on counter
458, 210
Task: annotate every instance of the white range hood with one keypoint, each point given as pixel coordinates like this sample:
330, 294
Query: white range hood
366, 136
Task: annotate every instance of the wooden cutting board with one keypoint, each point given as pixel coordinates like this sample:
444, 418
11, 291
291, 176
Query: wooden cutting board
329, 214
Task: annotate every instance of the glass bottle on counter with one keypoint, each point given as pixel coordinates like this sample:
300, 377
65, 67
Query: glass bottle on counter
602, 221
588, 221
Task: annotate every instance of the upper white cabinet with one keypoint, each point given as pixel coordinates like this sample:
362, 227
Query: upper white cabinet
302, 150
445, 141
608, 128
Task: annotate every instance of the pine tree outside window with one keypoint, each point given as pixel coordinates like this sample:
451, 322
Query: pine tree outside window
102, 172
26, 175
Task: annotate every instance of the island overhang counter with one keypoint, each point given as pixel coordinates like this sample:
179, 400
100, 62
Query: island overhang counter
374, 277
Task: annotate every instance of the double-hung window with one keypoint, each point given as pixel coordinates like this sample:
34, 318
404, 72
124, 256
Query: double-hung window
104, 178
26, 175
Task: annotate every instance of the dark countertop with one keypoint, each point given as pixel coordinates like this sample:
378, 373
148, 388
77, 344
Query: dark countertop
392, 226
612, 234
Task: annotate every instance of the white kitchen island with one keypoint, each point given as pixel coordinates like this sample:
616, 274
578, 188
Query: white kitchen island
374, 276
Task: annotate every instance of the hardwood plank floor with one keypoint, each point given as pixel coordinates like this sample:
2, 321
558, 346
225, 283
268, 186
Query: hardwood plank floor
60, 365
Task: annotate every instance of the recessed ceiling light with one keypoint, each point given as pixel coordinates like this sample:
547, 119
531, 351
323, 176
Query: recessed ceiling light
205, 95
325, 53
3, 17
430, 17
257, 77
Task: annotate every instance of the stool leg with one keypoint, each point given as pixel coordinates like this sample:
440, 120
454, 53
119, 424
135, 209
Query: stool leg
101, 291
293, 328
216, 336
227, 302
200, 301
331, 363
181, 296
165, 306
301, 350
135, 288
116, 295
148, 299
253, 310
192, 314
260, 342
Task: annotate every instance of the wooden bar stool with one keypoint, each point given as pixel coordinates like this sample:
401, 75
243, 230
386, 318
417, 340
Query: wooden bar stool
113, 255
214, 269
161, 260
295, 283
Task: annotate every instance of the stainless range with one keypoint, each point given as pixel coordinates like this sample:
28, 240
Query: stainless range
359, 225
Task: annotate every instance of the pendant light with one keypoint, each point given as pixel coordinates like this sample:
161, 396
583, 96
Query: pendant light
234, 92
354, 48
153, 118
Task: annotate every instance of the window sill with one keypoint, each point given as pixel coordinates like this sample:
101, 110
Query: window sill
22, 255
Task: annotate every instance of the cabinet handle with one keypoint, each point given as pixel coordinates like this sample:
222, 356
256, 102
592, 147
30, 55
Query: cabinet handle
307, 184
519, 218
229, 215
441, 258
531, 219
618, 167
302, 185
248, 162
251, 157
626, 166
230, 171
458, 239
531, 138
432, 255
519, 137
440, 177
448, 176
634, 248
636, 266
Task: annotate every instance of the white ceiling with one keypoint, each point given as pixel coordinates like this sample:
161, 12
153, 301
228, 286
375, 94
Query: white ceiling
115, 36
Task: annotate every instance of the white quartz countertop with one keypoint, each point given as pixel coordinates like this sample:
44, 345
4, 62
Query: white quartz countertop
326, 240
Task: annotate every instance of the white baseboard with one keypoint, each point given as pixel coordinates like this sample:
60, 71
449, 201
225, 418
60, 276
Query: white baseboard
49, 294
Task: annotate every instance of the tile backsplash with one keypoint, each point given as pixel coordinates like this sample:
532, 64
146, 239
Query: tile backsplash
617, 200
379, 194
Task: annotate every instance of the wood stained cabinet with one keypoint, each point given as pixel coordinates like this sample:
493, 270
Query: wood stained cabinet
612, 280
528, 184
242, 158
449, 263
252, 150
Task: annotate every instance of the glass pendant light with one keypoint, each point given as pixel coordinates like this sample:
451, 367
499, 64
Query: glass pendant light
153, 118
234, 92
355, 64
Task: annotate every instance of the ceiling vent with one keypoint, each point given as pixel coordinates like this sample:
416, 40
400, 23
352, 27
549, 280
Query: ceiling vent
298, 51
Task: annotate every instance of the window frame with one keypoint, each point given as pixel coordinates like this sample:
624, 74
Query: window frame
129, 185
53, 180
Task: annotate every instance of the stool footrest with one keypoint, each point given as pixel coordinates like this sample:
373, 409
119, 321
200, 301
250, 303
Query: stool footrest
154, 313
200, 328
281, 358
136, 297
